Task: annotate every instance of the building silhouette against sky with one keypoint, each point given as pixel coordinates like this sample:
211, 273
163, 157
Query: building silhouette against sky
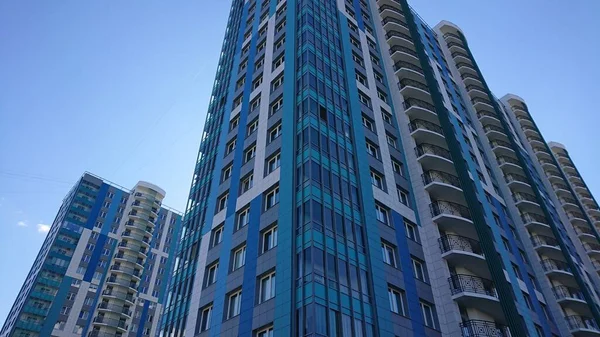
104, 266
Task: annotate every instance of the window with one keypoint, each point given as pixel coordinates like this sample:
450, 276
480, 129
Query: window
84, 314
364, 99
372, 150
205, 318
243, 218
254, 104
275, 106
419, 269
368, 123
273, 163
276, 83
411, 230
398, 167
397, 301
234, 304
226, 173
272, 198
239, 258
382, 96
252, 127
402, 195
377, 180
391, 140
361, 79
222, 202
250, 153
381, 213
268, 332
269, 239
70, 296
527, 301
257, 82
65, 310
211, 274
217, 236
274, 133
247, 183
428, 315
267, 288
90, 246
278, 62
389, 254
230, 147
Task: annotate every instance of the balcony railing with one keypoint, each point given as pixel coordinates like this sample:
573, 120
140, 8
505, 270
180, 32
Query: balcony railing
119, 294
395, 33
481, 100
560, 187
583, 230
480, 328
457, 54
111, 321
410, 102
394, 20
121, 282
472, 284
561, 292
447, 35
426, 148
451, 208
402, 64
97, 333
455, 44
489, 128
495, 143
552, 265
575, 215
581, 322
404, 50
507, 160
115, 308
539, 240
450, 242
474, 87
128, 270
463, 64
567, 201
440, 177
465, 76
516, 107
524, 197
591, 246
407, 82
423, 124
511, 177
482, 114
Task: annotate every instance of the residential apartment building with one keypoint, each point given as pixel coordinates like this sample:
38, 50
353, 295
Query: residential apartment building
356, 177
104, 266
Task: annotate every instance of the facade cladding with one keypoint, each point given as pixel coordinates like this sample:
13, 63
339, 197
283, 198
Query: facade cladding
104, 266
356, 177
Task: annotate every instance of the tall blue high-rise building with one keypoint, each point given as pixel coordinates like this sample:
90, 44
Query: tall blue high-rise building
104, 266
356, 177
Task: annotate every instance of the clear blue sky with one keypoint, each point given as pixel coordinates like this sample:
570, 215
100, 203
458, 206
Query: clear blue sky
120, 88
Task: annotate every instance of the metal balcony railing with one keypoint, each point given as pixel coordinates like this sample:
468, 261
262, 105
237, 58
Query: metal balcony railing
119, 294
394, 20
111, 321
426, 148
495, 143
552, 265
591, 246
512, 177
392, 8
480, 328
474, 87
128, 270
507, 160
450, 242
115, 308
516, 107
457, 54
404, 50
423, 124
481, 100
539, 240
447, 35
561, 292
410, 102
482, 114
451, 208
403, 64
407, 82
581, 322
583, 230
473, 284
489, 128
440, 177
524, 197
395, 33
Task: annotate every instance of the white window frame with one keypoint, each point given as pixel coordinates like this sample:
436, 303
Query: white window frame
239, 258
269, 239
234, 304
396, 299
266, 289
389, 254
272, 198
205, 318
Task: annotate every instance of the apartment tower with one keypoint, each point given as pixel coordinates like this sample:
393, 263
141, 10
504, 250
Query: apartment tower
104, 266
356, 177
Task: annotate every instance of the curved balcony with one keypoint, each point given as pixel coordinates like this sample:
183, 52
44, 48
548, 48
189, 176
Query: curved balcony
471, 79
427, 132
495, 132
118, 295
585, 233
519, 110
509, 165
487, 117
402, 53
581, 326
558, 270
395, 37
420, 109
136, 273
479, 103
502, 148
138, 237
442, 185
536, 141
452, 217
554, 176
577, 218
461, 250
541, 153
526, 202
132, 247
459, 56
561, 189
98, 333
120, 256
592, 249
547, 245
536, 223
111, 322
392, 23
524, 120
569, 204
119, 309
415, 89
592, 210
130, 285
456, 47
405, 69
477, 292
476, 91
517, 182
145, 208
466, 67
434, 157
450, 36
481, 328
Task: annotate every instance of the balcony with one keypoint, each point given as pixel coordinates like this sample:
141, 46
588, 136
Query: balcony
517, 182
526, 202
459, 56
561, 188
487, 117
115, 323
390, 23
126, 270
456, 47
592, 249
502, 148
547, 246
415, 89
420, 109
130, 258
122, 282
105, 306
480, 328
452, 217
554, 176
541, 153
524, 120
495, 132
461, 250
442, 185
449, 36
536, 141
97, 333
427, 132
581, 326
466, 67
585, 233
137, 249
569, 204
479, 103
519, 110
558, 270
532, 219
477, 292
402, 53
405, 69
476, 91
434, 157
120, 295
509, 165
471, 79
